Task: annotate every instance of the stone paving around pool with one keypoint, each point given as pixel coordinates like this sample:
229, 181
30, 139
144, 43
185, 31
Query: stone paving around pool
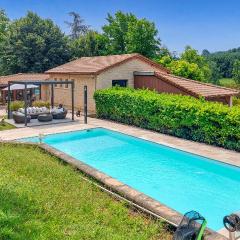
216, 153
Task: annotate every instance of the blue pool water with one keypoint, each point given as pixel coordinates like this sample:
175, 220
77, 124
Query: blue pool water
180, 180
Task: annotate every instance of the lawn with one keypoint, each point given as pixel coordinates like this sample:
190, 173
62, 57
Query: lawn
43, 198
226, 81
6, 126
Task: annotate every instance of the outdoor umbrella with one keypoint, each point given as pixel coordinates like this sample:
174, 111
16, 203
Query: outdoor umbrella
20, 87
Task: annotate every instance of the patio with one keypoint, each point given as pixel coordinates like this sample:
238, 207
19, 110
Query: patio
27, 118
35, 122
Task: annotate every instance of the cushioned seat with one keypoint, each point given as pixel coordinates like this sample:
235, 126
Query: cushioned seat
34, 112
59, 114
45, 117
19, 117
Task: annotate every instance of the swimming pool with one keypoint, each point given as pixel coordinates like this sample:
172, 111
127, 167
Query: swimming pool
178, 179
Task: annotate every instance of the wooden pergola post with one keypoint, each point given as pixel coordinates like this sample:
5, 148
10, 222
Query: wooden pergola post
52, 96
72, 85
25, 102
85, 104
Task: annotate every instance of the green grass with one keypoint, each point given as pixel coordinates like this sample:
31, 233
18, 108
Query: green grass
6, 126
226, 81
42, 198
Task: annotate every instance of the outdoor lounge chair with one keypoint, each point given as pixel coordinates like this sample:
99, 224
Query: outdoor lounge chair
19, 117
60, 114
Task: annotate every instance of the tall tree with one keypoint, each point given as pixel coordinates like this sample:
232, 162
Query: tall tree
142, 38
90, 44
236, 71
4, 25
125, 33
77, 26
34, 45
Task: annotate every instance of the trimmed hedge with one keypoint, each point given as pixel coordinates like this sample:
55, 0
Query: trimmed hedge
177, 115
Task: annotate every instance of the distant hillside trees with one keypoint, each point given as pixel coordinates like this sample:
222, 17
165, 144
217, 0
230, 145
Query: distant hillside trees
236, 71
224, 61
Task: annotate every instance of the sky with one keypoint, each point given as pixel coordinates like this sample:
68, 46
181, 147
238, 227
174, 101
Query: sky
202, 24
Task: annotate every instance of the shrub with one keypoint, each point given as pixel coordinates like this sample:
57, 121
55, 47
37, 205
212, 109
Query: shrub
41, 104
181, 116
236, 101
15, 105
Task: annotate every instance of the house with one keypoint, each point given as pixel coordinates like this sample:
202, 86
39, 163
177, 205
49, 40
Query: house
17, 94
97, 73
132, 70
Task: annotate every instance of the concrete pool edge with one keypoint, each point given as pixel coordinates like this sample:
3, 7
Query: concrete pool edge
167, 214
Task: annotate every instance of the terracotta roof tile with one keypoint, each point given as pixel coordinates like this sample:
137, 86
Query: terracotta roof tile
98, 64
23, 77
196, 88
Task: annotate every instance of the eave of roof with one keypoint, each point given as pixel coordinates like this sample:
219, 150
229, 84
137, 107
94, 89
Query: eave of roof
228, 92
23, 77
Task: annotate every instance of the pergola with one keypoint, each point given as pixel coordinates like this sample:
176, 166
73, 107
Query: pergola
40, 83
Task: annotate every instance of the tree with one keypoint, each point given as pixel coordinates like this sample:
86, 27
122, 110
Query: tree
205, 53
142, 38
125, 33
236, 71
182, 68
77, 27
189, 65
34, 45
4, 25
90, 44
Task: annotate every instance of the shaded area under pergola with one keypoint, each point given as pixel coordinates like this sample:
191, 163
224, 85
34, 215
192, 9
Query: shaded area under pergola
39, 83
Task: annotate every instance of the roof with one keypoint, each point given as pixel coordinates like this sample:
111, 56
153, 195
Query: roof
196, 88
192, 87
98, 64
23, 77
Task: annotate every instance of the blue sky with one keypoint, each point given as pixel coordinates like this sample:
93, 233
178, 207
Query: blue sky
210, 24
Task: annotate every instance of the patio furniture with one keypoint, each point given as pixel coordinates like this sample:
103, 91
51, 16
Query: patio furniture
34, 112
61, 114
45, 117
19, 117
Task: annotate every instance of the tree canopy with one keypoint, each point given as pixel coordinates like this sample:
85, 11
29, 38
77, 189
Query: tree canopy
90, 44
34, 45
189, 65
125, 33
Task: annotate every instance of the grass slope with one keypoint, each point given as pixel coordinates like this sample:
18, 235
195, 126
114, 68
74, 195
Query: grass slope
6, 126
42, 198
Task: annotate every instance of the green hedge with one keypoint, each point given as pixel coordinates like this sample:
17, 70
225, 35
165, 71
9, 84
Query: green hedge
177, 115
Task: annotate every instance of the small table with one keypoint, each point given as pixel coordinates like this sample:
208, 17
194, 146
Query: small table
45, 117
